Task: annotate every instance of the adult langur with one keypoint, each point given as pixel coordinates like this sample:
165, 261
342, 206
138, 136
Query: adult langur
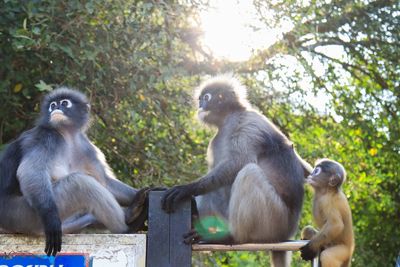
255, 178
53, 180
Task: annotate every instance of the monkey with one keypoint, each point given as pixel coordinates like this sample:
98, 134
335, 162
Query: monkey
53, 180
332, 215
255, 177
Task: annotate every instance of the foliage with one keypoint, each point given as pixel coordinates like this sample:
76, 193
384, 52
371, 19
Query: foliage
360, 126
139, 60
127, 56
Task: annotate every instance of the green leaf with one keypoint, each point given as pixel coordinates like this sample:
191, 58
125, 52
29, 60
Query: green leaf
43, 87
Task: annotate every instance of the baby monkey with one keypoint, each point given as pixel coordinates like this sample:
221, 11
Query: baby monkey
332, 215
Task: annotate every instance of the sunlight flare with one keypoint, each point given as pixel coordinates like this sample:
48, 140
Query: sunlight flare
232, 30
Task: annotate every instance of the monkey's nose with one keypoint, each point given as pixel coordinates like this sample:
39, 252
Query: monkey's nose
202, 104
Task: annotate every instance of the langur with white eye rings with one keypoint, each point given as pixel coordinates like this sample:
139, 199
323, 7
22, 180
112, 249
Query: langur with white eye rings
53, 180
332, 215
255, 178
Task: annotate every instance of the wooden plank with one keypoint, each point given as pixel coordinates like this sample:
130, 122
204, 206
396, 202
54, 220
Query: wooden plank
157, 254
282, 246
180, 223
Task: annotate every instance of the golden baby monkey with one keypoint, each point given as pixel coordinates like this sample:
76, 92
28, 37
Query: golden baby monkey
332, 215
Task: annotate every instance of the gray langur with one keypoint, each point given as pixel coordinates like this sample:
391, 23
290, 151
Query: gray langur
332, 215
255, 178
52, 174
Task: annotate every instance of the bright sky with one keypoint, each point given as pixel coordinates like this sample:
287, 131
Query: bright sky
227, 33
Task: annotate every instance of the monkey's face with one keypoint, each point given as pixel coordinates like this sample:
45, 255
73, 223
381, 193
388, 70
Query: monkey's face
65, 108
215, 101
317, 178
58, 110
326, 174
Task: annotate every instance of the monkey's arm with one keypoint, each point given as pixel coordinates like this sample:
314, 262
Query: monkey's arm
9, 162
121, 191
307, 168
224, 173
36, 187
136, 201
330, 231
99, 168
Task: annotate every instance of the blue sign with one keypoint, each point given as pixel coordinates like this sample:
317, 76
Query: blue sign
62, 260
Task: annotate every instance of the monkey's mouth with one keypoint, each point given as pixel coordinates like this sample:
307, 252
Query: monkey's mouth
310, 181
201, 114
57, 116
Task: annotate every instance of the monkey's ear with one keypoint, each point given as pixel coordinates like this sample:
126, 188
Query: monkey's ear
334, 180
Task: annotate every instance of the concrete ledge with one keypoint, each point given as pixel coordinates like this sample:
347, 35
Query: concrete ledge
103, 249
282, 246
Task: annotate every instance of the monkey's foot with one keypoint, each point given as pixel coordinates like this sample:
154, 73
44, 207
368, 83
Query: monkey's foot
191, 237
137, 213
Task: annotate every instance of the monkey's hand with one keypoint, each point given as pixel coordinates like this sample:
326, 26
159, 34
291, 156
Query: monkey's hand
307, 252
175, 195
53, 232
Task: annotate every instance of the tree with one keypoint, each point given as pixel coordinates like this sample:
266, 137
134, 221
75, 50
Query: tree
361, 83
347, 54
139, 60
127, 56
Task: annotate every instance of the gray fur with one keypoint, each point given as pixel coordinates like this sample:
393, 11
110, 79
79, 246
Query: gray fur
255, 177
52, 174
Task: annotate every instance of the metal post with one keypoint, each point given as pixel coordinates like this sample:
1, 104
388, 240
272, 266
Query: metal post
165, 247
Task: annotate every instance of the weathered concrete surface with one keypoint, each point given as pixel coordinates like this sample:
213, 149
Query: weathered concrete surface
105, 250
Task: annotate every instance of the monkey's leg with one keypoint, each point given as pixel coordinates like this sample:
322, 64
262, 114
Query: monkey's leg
335, 256
192, 236
257, 213
20, 217
198, 230
81, 193
17, 216
75, 224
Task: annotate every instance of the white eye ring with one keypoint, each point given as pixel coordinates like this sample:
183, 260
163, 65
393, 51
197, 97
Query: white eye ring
316, 171
52, 106
66, 103
207, 97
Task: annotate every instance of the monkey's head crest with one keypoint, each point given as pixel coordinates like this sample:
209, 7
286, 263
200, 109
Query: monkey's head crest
64, 108
220, 96
227, 81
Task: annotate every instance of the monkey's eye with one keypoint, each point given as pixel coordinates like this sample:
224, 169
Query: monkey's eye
66, 103
52, 106
207, 97
316, 171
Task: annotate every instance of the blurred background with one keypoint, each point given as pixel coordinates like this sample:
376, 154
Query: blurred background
325, 72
